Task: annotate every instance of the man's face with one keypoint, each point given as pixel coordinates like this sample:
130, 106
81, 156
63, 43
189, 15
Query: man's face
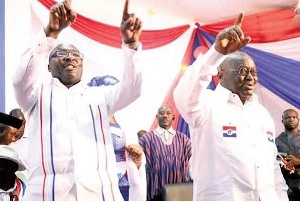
290, 120
20, 132
65, 63
7, 134
165, 117
241, 78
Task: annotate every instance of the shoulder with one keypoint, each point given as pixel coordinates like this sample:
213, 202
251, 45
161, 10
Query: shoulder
184, 138
178, 133
147, 136
281, 135
280, 138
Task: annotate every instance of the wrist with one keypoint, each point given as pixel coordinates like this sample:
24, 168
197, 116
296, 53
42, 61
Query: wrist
138, 163
50, 32
131, 45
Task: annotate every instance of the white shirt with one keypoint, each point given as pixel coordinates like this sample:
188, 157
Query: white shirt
165, 135
234, 153
71, 154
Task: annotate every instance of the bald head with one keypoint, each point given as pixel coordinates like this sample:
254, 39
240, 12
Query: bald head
289, 111
238, 74
63, 47
234, 59
165, 116
290, 120
65, 64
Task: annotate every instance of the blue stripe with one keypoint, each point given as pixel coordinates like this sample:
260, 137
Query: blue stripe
96, 141
229, 135
2, 56
51, 145
278, 74
210, 38
183, 126
23, 186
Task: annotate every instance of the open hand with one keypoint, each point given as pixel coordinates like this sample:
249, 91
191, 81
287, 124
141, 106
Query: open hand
292, 161
135, 151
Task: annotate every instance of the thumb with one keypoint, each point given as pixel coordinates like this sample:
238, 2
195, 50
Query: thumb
244, 42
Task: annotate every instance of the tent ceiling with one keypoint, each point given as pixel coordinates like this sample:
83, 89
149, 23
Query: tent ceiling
176, 11
214, 10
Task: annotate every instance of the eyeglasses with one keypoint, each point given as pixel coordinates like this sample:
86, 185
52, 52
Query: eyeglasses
64, 54
244, 71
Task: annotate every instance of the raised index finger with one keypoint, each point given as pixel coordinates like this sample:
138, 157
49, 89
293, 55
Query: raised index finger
239, 20
67, 4
125, 11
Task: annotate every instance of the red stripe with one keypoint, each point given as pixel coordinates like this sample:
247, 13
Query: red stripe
111, 35
41, 135
19, 187
229, 128
104, 142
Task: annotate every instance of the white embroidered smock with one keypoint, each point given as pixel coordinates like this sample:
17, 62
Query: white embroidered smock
71, 154
234, 154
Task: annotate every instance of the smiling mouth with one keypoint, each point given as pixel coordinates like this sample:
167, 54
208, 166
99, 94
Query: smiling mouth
70, 66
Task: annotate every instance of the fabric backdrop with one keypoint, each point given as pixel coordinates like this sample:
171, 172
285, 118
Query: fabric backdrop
275, 48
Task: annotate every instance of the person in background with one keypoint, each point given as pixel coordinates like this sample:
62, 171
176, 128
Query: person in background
12, 188
8, 128
140, 133
167, 154
21, 145
72, 158
288, 145
233, 136
130, 166
19, 114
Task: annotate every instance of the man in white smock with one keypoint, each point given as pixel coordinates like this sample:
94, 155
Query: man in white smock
232, 135
71, 154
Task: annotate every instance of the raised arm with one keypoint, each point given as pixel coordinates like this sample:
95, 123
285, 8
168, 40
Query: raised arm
33, 64
131, 28
192, 87
129, 87
61, 16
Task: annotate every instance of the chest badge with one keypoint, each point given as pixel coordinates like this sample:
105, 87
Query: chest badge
229, 131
